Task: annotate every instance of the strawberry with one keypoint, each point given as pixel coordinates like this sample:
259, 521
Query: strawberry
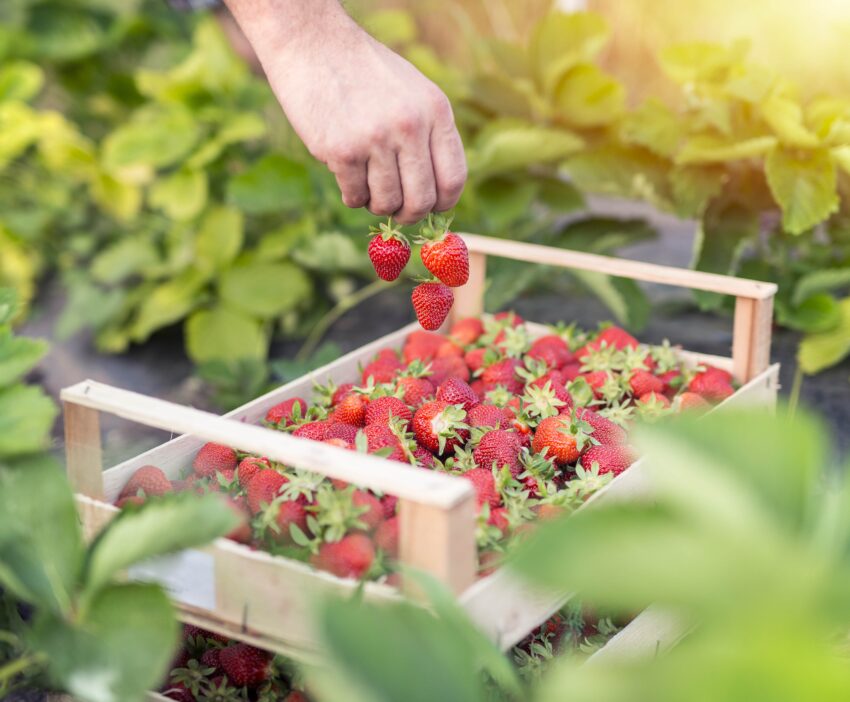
389, 251
386, 537
129, 501
596, 379
499, 519
445, 254
148, 479
485, 415
179, 692
286, 411
610, 458
510, 317
438, 426
500, 448
455, 391
557, 384
449, 348
340, 393
616, 337
264, 487
339, 430
643, 382
448, 367
552, 350
503, 373
296, 696
415, 390
389, 503
713, 384
672, 379
289, 513
352, 409
350, 557
424, 457
382, 370
654, 398
571, 371
382, 409
421, 345
485, 486
604, 430
380, 436
691, 402
315, 431
562, 437
248, 468
374, 514
242, 532
213, 457
244, 665
467, 331
432, 303
212, 659
475, 359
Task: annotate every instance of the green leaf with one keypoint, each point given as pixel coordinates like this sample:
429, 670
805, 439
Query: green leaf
26, 417
709, 148
265, 289
825, 349
117, 198
18, 356
330, 252
272, 184
603, 235
825, 280
219, 239
158, 527
167, 303
222, 334
503, 95
502, 200
785, 117
559, 195
698, 62
181, 195
509, 145
588, 97
622, 296
654, 126
41, 548
804, 185
120, 649
8, 305
61, 32
694, 187
818, 313
243, 126
125, 258
20, 80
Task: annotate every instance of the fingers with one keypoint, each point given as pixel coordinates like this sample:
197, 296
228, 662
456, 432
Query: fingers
385, 196
352, 182
447, 156
419, 190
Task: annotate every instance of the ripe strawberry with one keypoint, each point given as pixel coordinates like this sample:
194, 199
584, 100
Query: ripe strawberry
713, 384
415, 390
610, 458
148, 479
178, 692
212, 659
616, 337
263, 488
571, 371
499, 448
296, 696
352, 409
213, 457
485, 415
284, 411
439, 427
242, 532
339, 430
421, 345
129, 501
503, 373
379, 436
424, 457
249, 467
559, 439
374, 515
386, 537
510, 317
447, 258
350, 557
672, 379
432, 303
382, 370
485, 486
654, 399
382, 409
643, 382
448, 367
289, 512
245, 665
499, 519
558, 386
467, 331
604, 430
596, 379
455, 391
389, 252
552, 350
449, 348
315, 431
475, 359
691, 402
340, 393
389, 503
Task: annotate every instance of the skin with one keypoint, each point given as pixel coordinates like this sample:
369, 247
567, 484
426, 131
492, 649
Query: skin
385, 131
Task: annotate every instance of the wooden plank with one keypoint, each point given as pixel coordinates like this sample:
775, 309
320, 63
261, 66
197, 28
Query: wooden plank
396, 478
469, 299
83, 455
751, 344
649, 634
440, 542
636, 270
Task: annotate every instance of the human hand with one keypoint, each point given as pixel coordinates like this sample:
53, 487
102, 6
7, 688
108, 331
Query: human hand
384, 130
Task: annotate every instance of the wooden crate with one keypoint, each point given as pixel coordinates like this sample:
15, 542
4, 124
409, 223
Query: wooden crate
266, 600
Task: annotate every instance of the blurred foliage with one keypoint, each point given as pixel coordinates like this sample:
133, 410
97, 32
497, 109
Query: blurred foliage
746, 537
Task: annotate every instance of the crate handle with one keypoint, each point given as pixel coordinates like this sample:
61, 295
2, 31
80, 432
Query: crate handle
753, 299
437, 511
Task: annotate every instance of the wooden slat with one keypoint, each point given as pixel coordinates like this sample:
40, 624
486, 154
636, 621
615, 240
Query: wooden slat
469, 299
83, 453
650, 633
636, 270
751, 345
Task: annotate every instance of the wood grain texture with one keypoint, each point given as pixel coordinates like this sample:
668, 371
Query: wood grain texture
83, 451
649, 634
469, 299
752, 334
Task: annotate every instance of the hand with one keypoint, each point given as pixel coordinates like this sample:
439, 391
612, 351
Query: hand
384, 130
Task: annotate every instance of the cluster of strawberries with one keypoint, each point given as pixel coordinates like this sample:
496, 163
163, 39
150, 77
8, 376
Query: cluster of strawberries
209, 666
444, 255
537, 425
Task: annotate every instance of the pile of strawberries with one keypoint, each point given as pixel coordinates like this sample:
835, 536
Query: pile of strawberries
209, 666
443, 253
537, 425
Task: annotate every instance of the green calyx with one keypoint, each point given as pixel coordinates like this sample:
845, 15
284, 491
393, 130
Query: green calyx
434, 227
387, 230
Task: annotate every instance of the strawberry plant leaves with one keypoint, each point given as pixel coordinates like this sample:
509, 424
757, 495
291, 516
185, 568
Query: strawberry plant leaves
117, 198
219, 238
116, 651
265, 289
272, 184
330, 252
127, 257
181, 195
693, 187
587, 97
559, 195
221, 334
18, 356
654, 126
820, 281
622, 296
817, 313
698, 62
825, 349
511, 144
26, 417
708, 148
804, 185
156, 528
785, 117
167, 303
20, 80
8, 305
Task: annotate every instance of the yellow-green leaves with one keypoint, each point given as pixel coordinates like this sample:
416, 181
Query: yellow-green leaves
20, 80
272, 184
804, 185
181, 195
219, 238
709, 148
588, 97
222, 334
825, 349
511, 144
265, 289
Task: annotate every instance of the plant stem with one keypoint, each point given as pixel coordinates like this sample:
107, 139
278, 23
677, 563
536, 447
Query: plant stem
796, 386
10, 670
341, 307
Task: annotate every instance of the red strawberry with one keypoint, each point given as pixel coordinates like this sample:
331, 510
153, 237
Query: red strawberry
421, 345
448, 367
382, 409
485, 415
424, 457
382, 370
643, 382
211, 659
387, 354
352, 409
242, 532
129, 500
386, 537
604, 430
349, 558
438, 426
390, 502
448, 259
596, 379
503, 373
249, 467
691, 402
509, 316
552, 350
389, 253
315, 431
672, 380
558, 386
554, 435
654, 399
245, 665
284, 411
379, 436
432, 303
289, 513
214, 457
466, 331
415, 390
475, 359
616, 337
455, 391
485, 486
341, 392
449, 348
713, 384
296, 696
499, 519
610, 458
148, 479
264, 488
338, 430
178, 692
571, 371
374, 514
498, 447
